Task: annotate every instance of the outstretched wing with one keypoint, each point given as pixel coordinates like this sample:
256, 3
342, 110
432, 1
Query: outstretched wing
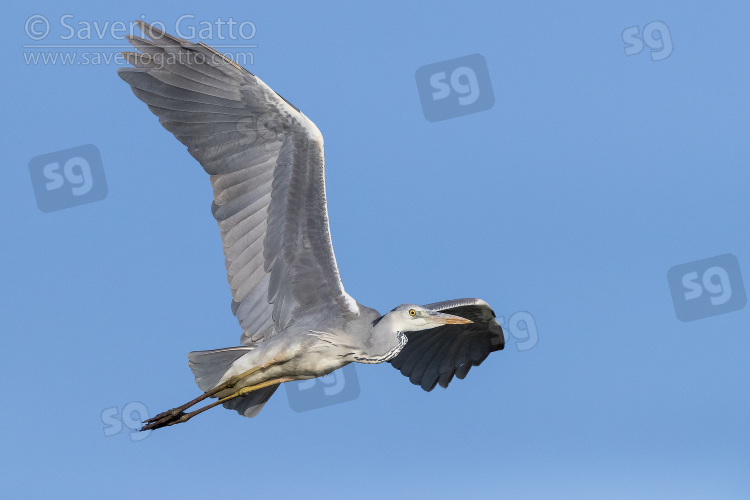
265, 159
434, 356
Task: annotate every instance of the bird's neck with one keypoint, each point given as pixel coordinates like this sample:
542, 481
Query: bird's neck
371, 356
384, 343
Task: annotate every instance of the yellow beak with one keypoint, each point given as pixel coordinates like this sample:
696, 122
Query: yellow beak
446, 319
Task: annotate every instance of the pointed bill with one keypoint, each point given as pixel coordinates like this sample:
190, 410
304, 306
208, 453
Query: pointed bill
446, 319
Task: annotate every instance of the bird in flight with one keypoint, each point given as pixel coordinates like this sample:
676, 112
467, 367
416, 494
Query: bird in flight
265, 160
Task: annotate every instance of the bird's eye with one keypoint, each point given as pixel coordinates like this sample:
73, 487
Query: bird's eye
412, 312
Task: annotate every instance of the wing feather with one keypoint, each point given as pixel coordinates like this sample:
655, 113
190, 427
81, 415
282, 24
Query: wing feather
265, 159
435, 356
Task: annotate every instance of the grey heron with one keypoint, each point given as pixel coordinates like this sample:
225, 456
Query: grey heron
265, 160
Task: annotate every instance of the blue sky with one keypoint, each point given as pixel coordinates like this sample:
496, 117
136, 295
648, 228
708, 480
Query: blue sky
569, 199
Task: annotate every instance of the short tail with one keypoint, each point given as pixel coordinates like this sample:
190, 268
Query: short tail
208, 368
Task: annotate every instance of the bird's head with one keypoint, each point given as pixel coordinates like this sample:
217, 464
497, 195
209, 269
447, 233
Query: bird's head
413, 318
388, 331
